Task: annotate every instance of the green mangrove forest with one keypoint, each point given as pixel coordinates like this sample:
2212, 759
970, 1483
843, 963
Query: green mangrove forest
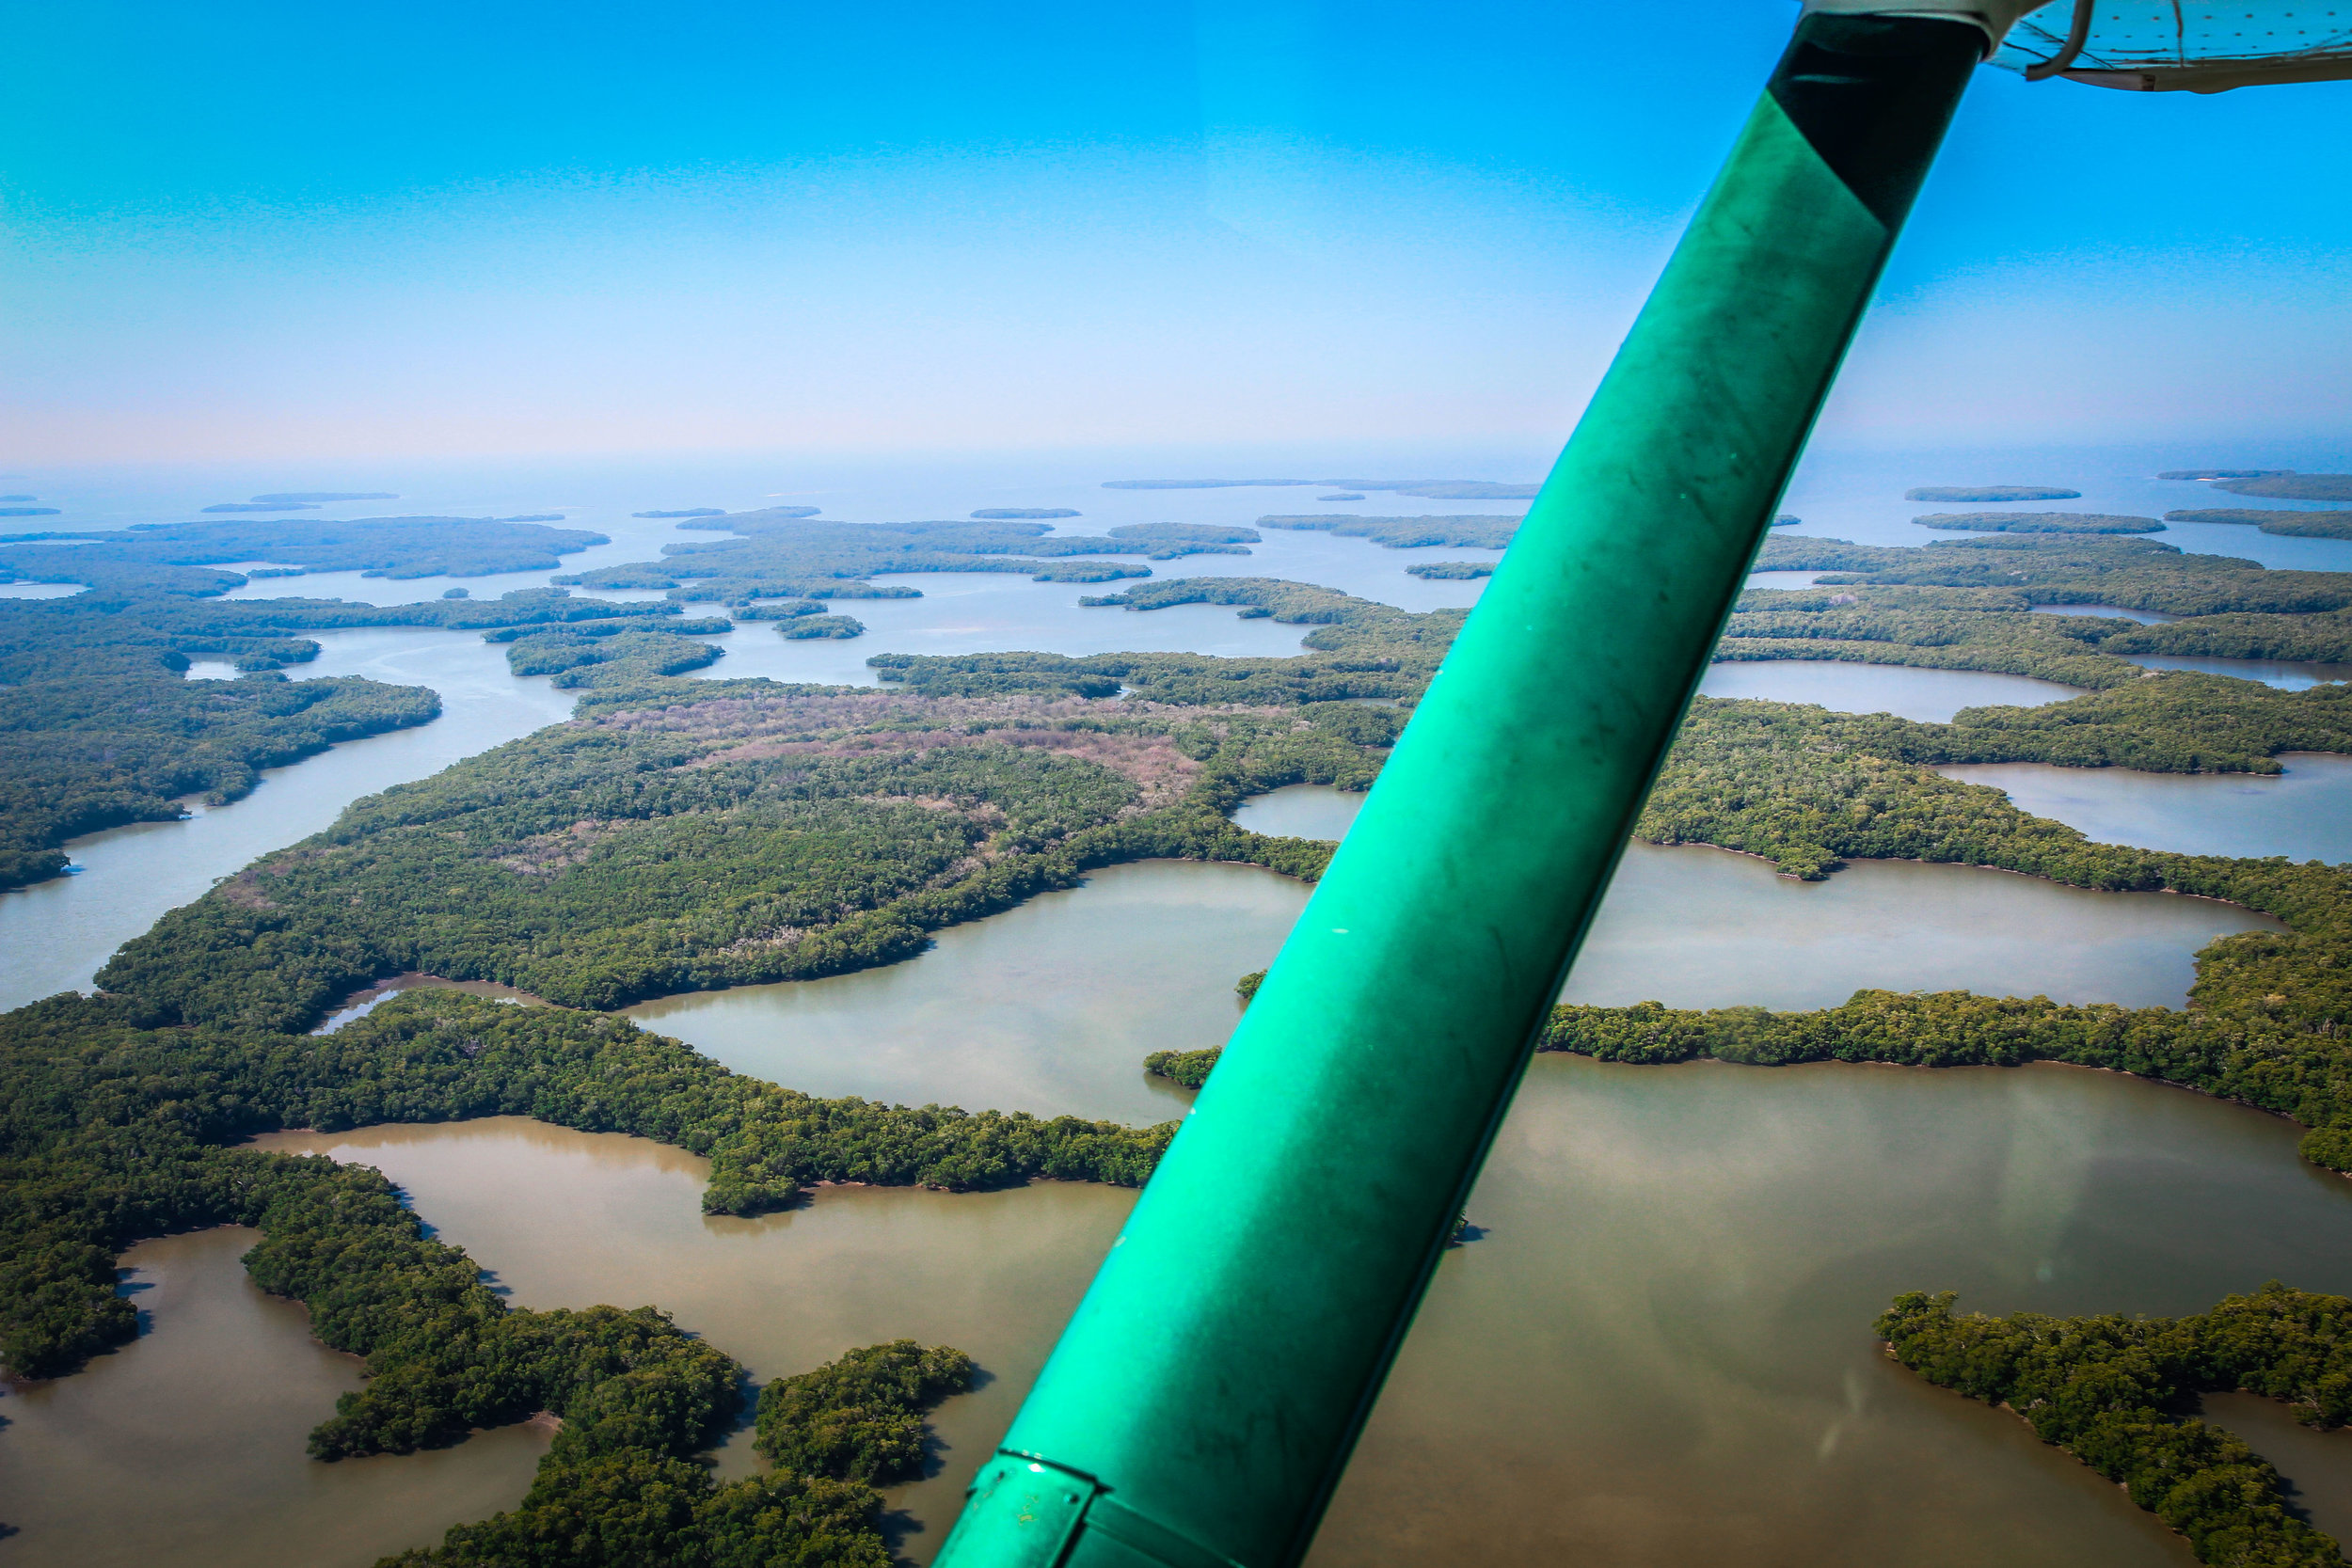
117, 1129
679, 835
712, 830
2111, 1390
100, 727
743, 833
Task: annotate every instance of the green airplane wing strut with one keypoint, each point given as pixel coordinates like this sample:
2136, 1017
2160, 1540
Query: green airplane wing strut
1202, 1401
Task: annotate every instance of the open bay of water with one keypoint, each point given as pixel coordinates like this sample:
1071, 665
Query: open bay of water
2107, 613
1783, 580
2304, 814
1657, 1352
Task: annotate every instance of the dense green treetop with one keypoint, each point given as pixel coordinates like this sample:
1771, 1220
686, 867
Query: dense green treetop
749, 834
1451, 569
1187, 1069
2111, 1389
861, 1418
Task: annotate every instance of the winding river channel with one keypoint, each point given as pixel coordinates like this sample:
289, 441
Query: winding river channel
1654, 1349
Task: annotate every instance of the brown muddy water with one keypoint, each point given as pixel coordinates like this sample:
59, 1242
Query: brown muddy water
1656, 1351
186, 1446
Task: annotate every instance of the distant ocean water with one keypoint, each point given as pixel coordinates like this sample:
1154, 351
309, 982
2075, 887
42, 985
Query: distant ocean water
1840, 492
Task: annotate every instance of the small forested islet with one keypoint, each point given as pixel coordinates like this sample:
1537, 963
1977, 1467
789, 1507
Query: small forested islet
1990, 493
2285, 485
2306, 525
2037, 522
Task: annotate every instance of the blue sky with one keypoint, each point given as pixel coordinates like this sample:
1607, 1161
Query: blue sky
264, 230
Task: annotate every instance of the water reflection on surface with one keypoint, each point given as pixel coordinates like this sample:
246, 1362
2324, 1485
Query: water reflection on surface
1048, 1007
1699, 928
2285, 673
1932, 696
2304, 814
1696, 927
1659, 1350
2107, 613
